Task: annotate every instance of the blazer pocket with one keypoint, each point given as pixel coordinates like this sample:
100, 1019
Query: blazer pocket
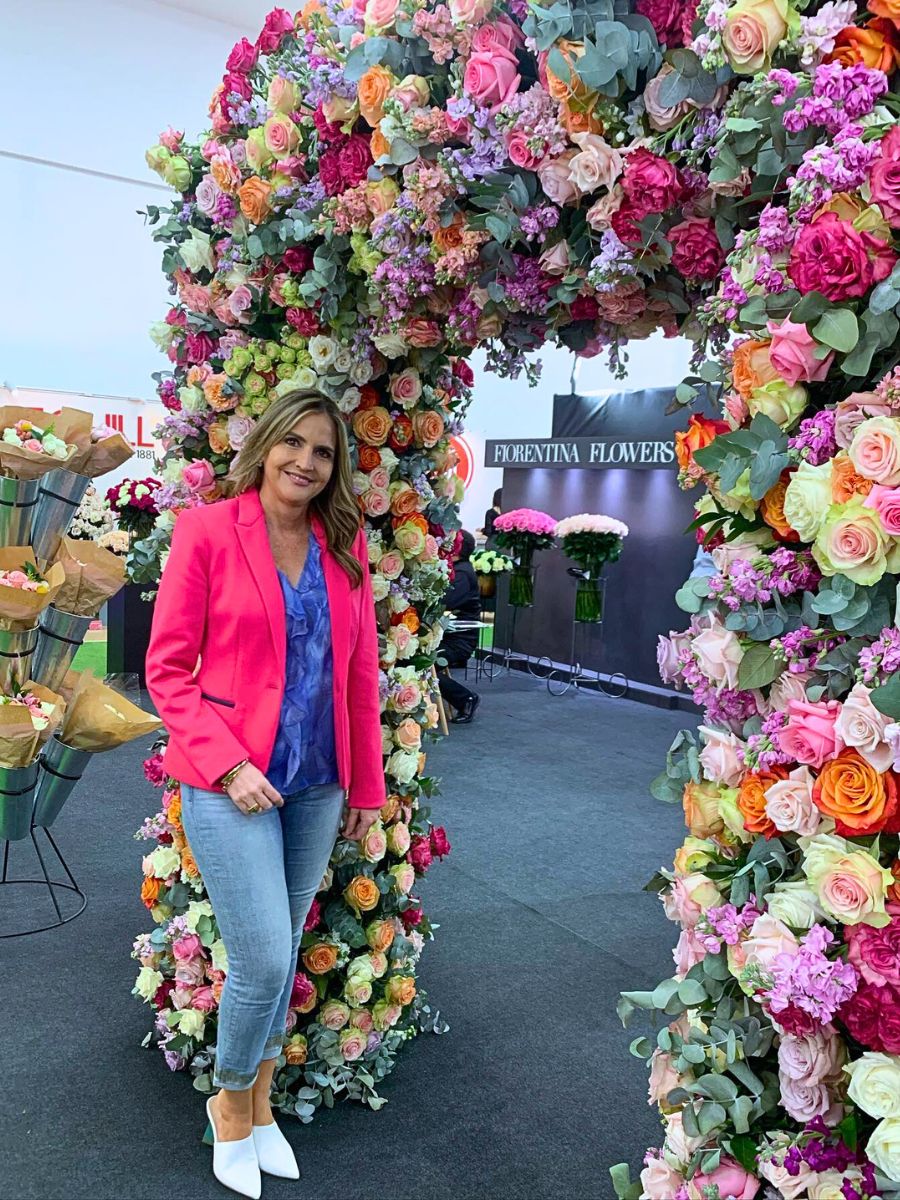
217, 700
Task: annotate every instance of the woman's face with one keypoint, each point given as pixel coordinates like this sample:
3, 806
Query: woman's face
299, 467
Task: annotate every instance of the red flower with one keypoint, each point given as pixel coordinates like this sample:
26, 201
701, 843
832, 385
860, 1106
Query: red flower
234, 81
696, 250
176, 316
198, 347
419, 853
242, 58
330, 171
302, 990
161, 996
411, 916
154, 771
355, 160
440, 845
401, 433
277, 24
313, 916
328, 131
832, 257
298, 259
873, 1017
304, 320
625, 226
463, 372
584, 308
666, 17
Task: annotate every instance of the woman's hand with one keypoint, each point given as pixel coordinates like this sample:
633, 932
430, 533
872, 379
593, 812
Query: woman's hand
357, 822
250, 787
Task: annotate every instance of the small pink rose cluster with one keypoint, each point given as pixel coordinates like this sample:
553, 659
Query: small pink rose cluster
525, 520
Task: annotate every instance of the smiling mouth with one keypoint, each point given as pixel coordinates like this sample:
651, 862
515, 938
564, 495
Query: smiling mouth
302, 480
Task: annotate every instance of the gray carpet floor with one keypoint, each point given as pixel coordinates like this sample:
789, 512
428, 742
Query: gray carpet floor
530, 1096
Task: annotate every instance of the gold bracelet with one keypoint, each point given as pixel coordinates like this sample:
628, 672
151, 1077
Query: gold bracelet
228, 778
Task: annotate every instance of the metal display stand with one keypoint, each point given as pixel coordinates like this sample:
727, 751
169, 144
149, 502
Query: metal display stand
500, 659
559, 681
50, 884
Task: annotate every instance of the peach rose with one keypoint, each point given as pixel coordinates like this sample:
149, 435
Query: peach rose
282, 135
217, 436
771, 509
380, 14
380, 935
789, 803
751, 367
254, 197
659, 1181
719, 654
720, 756
362, 894
372, 91
554, 177
701, 809
400, 989
688, 897
845, 480
753, 30
849, 883
372, 425
767, 939
408, 734
295, 1050
862, 726
596, 165
875, 450
875, 45
428, 428
600, 214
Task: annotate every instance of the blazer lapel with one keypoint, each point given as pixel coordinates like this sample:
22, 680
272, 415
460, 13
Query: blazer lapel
337, 586
254, 542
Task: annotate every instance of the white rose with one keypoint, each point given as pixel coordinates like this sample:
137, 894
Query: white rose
219, 956
192, 399
829, 1185
402, 766
380, 587
789, 685
162, 334
164, 861
807, 499
147, 983
884, 1147
789, 804
862, 726
349, 400
322, 350
343, 360
390, 345
719, 757
875, 1084
795, 905
361, 372
196, 910
196, 253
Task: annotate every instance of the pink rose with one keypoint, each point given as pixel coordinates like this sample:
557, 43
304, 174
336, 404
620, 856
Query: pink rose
831, 256
207, 195
667, 661
810, 736
171, 139
884, 178
554, 176
787, 1185
659, 1181
203, 999
768, 938
492, 79
663, 1077
407, 697
876, 952
596, 165
555, 260
849, 414
651, 183
730, 1177
406, 388
875, 450
361, 1018
470, 12
812, 1057
862, 726
886, 502
792, 353
602, 211
804, 1101
720, 756
790, 685
380, 478
353, 1044
719, 653
421, 333
501, 33
376, 502
238, 429
521, 154
688, 951
687, 898
789, 804
187, 947
198, 476
240, 301
696, 250
277, 24
732, 1180
190, 971
242, 58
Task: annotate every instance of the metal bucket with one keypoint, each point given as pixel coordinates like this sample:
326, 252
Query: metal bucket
17, 787
18, 504
61, 634
17, 647
61, 493
61, 768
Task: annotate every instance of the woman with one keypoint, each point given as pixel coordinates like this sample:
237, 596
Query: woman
263, 664
491, 515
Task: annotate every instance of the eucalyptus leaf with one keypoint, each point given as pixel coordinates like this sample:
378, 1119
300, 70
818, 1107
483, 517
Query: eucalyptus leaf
838, 329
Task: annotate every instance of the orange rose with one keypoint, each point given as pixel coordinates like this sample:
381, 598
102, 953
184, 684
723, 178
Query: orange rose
400, 989
295, 1051
876, 46
858, 798
369, 458
410, 618
701, 809
372, 425
362, 893
226, 174
450, 237
380, 935
893, 892
218, 437
378, 144
413, 519
304, 19
173, 811
320, 958
886, 8
150, 890
771, 510
751, 367
845, 483
254, 197
558, 88
308, 1004
390, 809
752, 800
215, 396
189, 863
578, 117
405, 500
699, 433
372, 91
428, 427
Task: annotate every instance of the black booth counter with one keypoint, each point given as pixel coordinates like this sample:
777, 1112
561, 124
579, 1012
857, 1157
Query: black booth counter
612, 454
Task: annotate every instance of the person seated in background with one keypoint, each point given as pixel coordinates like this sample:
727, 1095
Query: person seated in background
464, 602
490, 516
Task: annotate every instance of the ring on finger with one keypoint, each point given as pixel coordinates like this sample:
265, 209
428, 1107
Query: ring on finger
253, 808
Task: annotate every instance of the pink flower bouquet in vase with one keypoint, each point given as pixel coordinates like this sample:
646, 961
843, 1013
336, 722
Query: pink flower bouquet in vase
591, 540
522, 531
134, 505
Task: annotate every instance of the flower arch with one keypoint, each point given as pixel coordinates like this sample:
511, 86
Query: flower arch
388, 185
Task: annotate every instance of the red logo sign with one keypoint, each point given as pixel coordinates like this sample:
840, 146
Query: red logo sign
465, 468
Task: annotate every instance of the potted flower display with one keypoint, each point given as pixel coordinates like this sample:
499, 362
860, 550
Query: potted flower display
522, 531
591, 540
488, 564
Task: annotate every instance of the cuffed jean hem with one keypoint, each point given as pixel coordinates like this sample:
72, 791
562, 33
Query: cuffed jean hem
234, 1081
273, 1047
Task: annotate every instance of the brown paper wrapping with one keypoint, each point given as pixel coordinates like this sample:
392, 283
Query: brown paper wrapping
20, 742
93, 575
100, 457
21, 610
98, 718
70, 424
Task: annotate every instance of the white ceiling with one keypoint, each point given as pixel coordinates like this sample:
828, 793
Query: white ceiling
247, 16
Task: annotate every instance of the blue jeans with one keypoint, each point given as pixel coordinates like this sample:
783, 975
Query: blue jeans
261, 872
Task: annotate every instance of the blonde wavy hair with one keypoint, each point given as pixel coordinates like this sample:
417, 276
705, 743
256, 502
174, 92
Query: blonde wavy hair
336, 504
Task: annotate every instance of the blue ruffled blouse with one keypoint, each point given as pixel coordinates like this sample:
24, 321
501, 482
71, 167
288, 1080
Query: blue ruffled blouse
304, 753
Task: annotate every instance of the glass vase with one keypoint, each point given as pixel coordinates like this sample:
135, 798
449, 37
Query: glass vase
521, 586
588, 600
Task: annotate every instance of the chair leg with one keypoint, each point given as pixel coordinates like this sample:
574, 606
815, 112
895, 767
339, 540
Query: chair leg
439, 700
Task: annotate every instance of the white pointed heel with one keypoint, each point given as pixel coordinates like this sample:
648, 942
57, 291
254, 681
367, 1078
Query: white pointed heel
274, 1153
235, 1163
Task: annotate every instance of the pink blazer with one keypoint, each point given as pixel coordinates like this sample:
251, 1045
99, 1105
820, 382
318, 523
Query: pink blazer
220, 601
